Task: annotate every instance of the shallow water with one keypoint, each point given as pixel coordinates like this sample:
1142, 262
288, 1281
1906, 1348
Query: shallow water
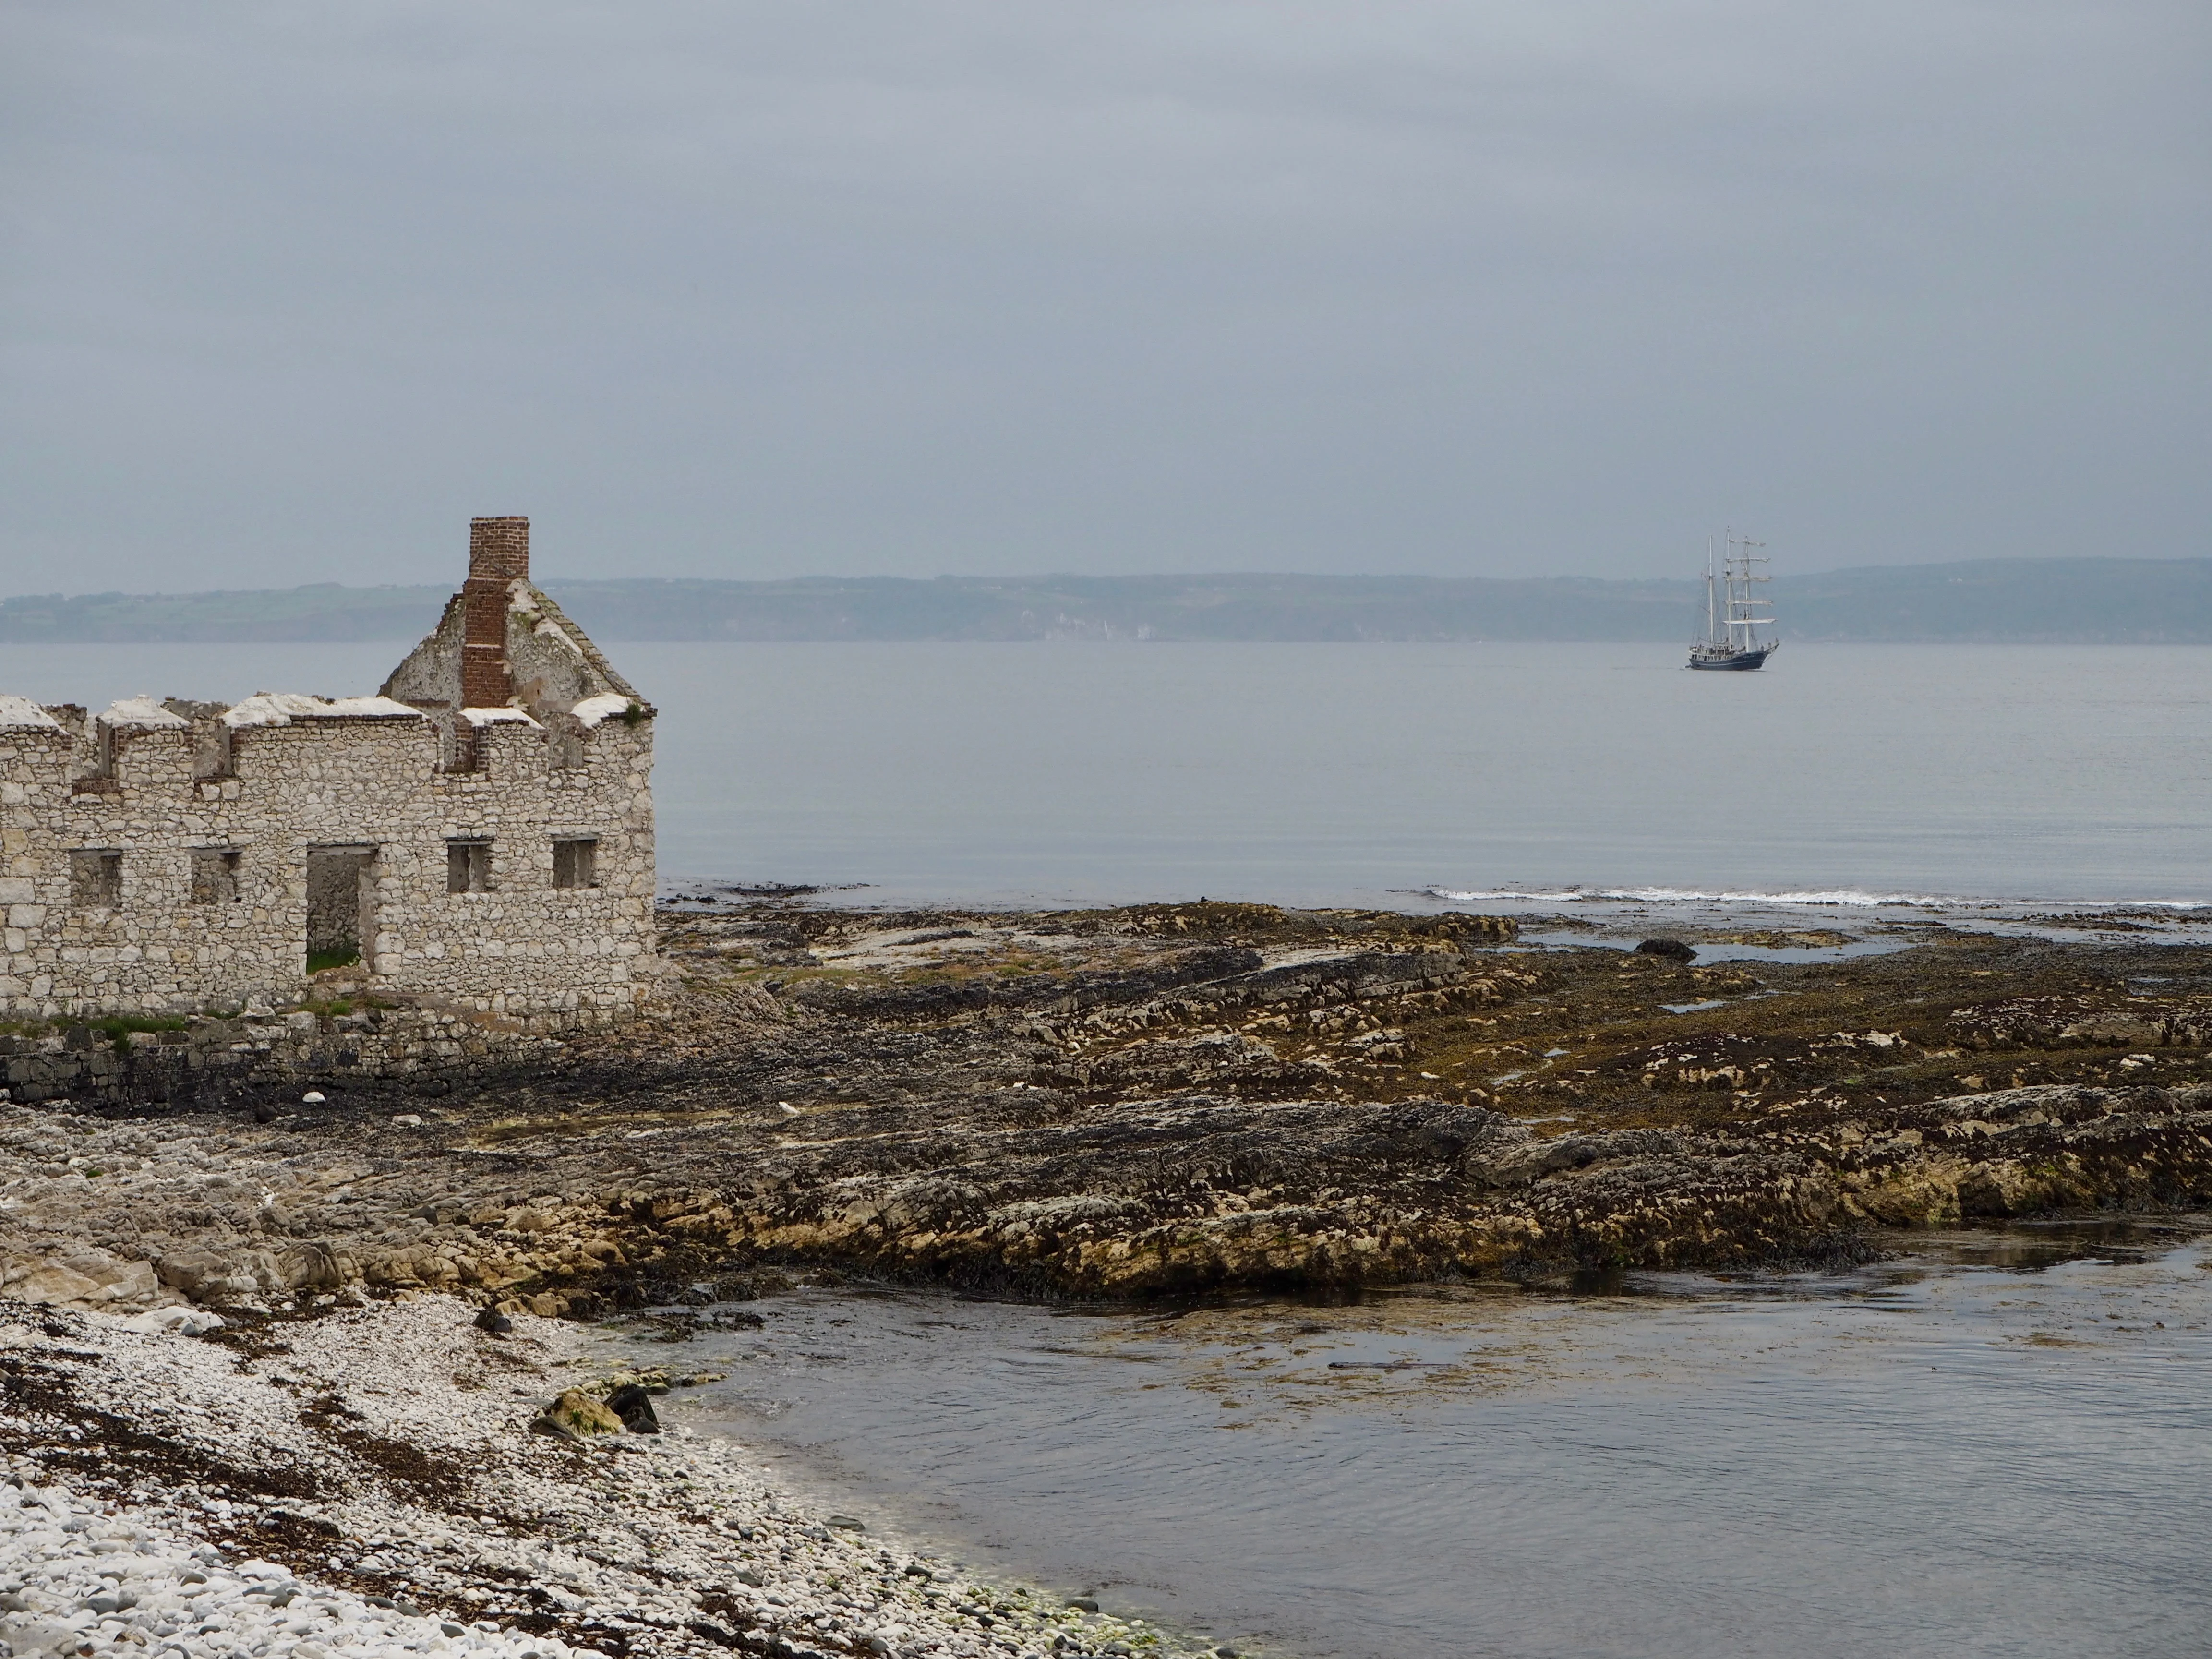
1994, 1446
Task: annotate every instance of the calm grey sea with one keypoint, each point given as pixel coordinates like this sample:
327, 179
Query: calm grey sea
1356, 773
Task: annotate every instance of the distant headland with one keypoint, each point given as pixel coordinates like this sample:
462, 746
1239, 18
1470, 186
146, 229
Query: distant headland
2069, 601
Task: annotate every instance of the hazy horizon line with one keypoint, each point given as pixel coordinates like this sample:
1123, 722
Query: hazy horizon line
1122, 576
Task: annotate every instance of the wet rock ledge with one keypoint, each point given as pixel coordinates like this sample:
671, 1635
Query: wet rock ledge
1154, 1101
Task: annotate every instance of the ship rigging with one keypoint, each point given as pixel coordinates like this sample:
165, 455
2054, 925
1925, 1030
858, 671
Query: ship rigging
1733, 611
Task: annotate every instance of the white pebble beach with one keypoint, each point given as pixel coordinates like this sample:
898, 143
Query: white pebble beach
369, 1482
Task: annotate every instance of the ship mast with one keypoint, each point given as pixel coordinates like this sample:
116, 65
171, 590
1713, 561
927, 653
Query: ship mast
1738, 574
1712, 616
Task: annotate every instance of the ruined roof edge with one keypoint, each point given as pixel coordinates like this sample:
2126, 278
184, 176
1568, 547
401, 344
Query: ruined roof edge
451, 615
551, 610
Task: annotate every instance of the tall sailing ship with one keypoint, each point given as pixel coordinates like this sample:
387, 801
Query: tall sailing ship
1733, 614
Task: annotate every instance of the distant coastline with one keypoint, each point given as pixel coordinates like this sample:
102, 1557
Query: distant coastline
2015, 601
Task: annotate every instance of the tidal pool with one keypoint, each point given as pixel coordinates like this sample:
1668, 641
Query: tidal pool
1999, 1443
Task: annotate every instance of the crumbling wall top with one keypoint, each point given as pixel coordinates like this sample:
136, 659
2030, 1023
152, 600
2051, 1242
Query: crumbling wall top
19, 712
283, 707
141, 710
608, 704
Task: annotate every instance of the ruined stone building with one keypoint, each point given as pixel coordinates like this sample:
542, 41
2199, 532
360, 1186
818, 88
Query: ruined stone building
478, 835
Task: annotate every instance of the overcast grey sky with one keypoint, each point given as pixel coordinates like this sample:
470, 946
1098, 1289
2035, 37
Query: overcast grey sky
758, 288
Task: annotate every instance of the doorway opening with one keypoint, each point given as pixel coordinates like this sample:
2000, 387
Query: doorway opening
340, 905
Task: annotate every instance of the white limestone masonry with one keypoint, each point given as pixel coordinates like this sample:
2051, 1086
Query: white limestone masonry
173, 857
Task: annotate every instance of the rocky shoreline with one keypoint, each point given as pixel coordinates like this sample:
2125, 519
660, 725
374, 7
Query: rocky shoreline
388, 1481
1158, 1101
236, 1300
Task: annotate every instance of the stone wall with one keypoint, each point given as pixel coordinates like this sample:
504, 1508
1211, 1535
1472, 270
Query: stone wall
303, 781
277, 1057
487, 857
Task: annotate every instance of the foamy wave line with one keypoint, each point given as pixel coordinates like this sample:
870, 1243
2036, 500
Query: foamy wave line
1831, 897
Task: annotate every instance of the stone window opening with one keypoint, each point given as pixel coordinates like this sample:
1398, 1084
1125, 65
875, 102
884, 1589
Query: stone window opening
215, 875
95, 878
467, 751
211, 750
468, 866
213, 758
576, 862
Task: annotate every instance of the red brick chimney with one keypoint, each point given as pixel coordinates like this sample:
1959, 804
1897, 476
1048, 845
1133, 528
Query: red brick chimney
499, 553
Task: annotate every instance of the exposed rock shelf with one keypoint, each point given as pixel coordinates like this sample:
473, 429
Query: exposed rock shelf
1156, 1100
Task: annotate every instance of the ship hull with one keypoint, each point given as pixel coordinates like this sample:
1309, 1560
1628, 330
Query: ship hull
1732, 662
